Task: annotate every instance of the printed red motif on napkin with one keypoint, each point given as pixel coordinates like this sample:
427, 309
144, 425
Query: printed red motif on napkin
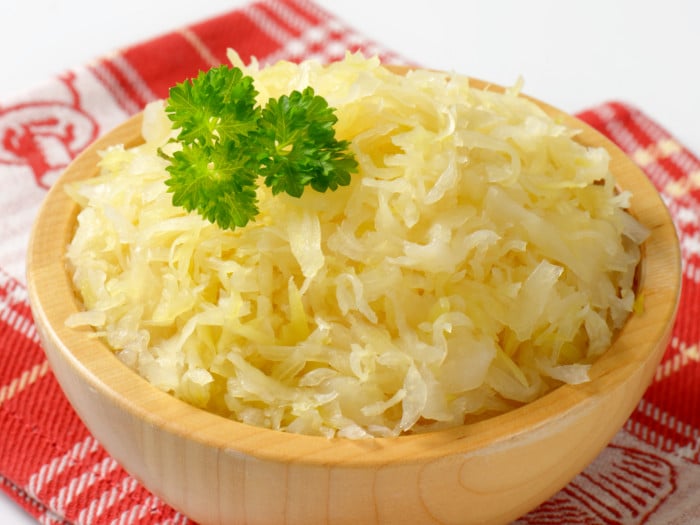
623, 485
45, 135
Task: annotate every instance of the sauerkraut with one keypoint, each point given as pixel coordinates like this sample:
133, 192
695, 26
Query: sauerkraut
479, 258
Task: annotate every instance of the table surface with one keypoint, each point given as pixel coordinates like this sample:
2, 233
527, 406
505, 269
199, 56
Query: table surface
573, 56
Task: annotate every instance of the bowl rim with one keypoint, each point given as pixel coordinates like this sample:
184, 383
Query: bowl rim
641, 343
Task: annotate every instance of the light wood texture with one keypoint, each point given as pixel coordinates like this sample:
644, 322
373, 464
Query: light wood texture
220, 471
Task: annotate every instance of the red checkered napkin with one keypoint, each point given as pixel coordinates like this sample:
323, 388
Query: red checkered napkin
55, 469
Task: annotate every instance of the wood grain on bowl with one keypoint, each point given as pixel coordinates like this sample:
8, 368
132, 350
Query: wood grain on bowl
221, 471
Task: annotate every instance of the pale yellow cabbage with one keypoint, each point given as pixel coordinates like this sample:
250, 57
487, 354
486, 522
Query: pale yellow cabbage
479, 258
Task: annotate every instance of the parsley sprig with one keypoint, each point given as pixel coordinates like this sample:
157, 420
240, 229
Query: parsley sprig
228, 142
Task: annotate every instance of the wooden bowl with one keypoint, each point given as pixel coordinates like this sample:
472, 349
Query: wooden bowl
220, 471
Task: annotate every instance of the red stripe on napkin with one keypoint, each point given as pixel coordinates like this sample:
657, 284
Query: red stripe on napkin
53, 467
174, 57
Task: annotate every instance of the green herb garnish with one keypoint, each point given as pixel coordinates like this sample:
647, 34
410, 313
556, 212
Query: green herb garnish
228, 142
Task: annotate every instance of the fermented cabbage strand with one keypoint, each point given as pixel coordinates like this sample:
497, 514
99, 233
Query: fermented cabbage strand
479, 258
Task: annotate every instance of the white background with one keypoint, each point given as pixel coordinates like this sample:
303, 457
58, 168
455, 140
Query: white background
573, 55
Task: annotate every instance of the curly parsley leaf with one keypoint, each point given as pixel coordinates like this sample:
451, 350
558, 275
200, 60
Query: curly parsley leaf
216, 106
218, 183
227, 142
296, 133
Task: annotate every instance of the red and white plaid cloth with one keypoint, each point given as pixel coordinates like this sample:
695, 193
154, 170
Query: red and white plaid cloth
54, 468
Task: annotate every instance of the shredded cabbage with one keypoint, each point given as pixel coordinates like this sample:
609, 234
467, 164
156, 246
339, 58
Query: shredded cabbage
479, 258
